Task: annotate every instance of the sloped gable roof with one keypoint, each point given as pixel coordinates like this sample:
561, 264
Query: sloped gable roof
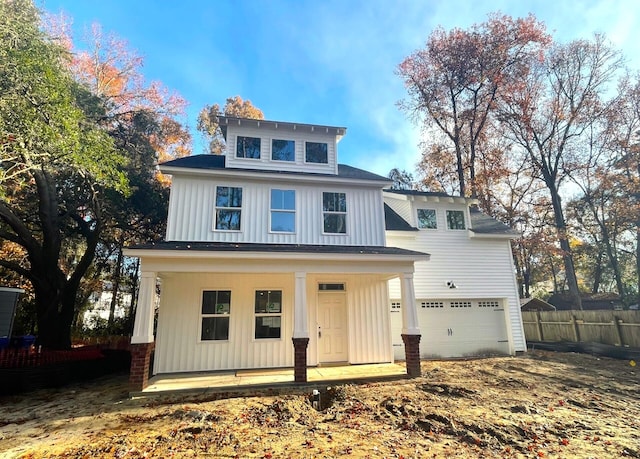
481, 223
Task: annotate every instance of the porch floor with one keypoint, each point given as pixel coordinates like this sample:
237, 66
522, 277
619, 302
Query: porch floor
280, 377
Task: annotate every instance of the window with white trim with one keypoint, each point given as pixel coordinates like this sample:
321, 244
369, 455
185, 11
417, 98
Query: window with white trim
427, 219
432, 304
334, 212
283, 150
455, 220
283, 211
268, 314
215, 312
228, 208
247, 147
316, 152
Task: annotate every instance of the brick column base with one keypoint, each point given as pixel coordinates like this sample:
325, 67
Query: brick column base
300, 359
140, 361
412, 354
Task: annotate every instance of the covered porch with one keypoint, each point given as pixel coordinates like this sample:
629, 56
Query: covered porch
332, 307
272, 378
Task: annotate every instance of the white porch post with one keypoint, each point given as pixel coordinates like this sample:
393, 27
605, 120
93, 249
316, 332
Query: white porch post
410, 326
300, 328
300, 323
409, 311
143, 325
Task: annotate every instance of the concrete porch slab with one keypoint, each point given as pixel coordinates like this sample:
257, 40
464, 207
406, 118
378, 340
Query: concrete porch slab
177, 383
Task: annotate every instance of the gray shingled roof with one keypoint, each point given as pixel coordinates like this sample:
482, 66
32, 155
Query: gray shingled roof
211, 162
483, 224
394, 222
277, 248
419, 193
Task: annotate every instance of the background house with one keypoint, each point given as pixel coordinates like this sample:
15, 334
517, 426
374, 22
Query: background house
590, 301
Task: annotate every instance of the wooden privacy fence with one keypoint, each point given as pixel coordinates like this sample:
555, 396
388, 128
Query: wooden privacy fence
618, 328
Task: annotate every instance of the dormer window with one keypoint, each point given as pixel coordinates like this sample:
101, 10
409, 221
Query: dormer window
316, 152
427, 219
248, 147
455, 220
283, 150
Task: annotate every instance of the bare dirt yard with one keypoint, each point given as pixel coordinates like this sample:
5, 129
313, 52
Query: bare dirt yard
542, 404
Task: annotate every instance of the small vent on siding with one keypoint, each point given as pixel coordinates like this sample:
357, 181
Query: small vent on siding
395, 306
432, 304
488, 304
331, 287
461, 304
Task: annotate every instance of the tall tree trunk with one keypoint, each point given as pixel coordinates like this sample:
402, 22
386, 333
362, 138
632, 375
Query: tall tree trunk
115, 285
567, 258
597, 274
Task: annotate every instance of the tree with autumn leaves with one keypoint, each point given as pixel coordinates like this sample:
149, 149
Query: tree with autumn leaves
80, 134
501, 103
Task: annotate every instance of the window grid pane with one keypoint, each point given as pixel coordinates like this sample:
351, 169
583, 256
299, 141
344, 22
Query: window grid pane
283, 150
316, 152
283, 204
455, 219
228, 204
334, 207
216, 310
248, 147
268, 314
427, 219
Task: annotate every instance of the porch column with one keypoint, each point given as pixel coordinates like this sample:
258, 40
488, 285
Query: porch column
410, 326
142, 343
300, 328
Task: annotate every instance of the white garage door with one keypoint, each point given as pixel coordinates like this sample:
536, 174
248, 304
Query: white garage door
455, 328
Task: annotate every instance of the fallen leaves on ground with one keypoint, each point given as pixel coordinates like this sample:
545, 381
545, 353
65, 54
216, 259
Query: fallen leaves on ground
540, 404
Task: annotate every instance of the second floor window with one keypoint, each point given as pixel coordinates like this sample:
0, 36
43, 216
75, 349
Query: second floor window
283, 211
334, 212
228, 208
248, 147
316, 152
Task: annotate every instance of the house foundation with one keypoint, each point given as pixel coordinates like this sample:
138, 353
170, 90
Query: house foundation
300, 359
412, 354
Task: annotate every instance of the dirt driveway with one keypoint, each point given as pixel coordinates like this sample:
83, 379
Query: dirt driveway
542, 404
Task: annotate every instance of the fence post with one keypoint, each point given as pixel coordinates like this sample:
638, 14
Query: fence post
576, 332
539, 326
616, 326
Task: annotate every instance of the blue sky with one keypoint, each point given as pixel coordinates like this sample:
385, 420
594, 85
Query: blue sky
320, 62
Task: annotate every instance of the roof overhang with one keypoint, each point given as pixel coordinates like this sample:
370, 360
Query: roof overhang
220, 257
430, 198
225, 121
275, 176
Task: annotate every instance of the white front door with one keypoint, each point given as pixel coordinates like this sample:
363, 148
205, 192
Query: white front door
332, 327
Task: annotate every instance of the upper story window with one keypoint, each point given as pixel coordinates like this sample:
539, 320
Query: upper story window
316, 152
283, 211
283, 150
216, 309
427, 219
455, 220
248, 147
228, 208
334, 212
268, 314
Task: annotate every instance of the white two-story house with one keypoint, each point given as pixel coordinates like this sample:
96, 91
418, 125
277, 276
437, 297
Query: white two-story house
275, 256
466, 294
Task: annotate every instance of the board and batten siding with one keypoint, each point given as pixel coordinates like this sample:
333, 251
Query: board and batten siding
479, 267
266, 163
179, 348
192, 213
